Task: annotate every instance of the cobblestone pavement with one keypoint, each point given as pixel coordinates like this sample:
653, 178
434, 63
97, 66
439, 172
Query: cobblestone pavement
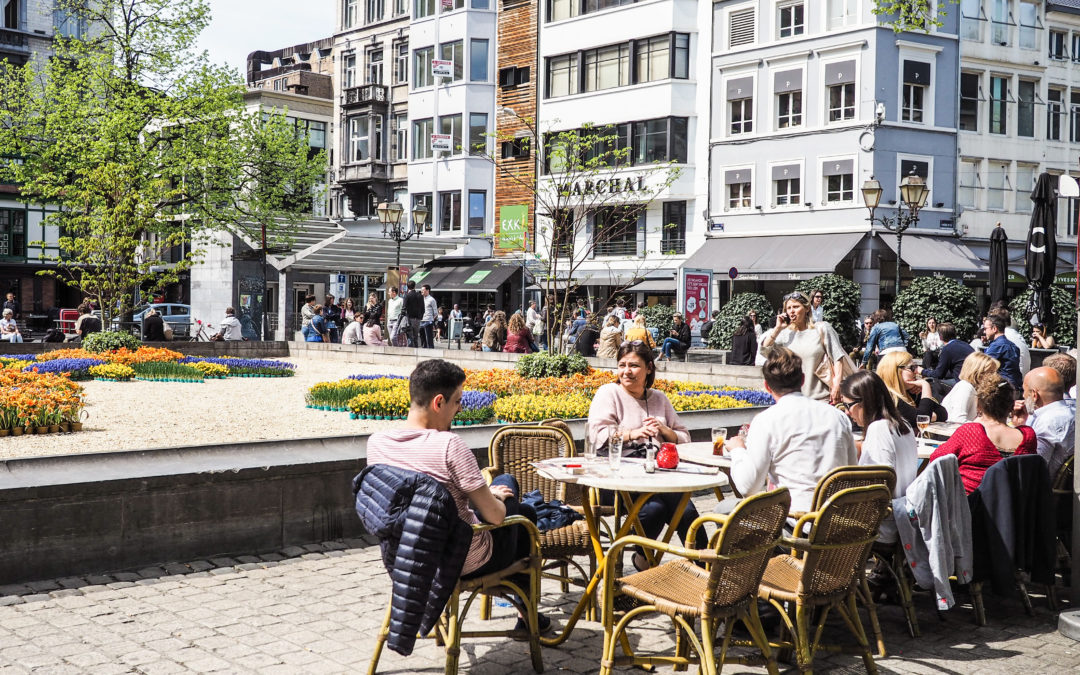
316, 610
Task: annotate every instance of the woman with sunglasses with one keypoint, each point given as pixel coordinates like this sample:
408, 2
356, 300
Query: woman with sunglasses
644, 416
817, 305
814, 343
888, 438
911, 394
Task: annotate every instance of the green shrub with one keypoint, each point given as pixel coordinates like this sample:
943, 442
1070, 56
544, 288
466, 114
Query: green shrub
938, 297
107, 341
842, 298
546, 364
1064, 331
658, 316
733, 312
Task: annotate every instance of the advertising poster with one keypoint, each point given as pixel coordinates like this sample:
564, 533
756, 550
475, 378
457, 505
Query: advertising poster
513, 224
696, 297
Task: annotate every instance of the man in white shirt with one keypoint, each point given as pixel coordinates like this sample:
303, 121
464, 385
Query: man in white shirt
230, 326
427, 323
793, 443
393, 313
1052, 417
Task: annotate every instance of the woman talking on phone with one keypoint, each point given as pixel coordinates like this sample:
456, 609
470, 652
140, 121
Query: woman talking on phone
815, 343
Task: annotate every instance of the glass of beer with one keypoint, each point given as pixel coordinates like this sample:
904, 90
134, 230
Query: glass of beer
923, 422
719, 437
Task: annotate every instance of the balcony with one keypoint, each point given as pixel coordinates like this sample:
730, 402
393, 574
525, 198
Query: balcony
363, 172
617, 247
14, 42
673, 246
365, 95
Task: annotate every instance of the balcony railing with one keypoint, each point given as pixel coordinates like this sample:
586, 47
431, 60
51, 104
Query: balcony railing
673, 246
363, 171
616, 248
366, 94
13, 39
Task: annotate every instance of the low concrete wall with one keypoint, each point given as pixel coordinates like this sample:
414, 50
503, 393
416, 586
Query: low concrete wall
247, 350
711, 373
84, 514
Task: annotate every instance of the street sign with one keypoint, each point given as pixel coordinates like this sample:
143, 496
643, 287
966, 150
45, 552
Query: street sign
733, 273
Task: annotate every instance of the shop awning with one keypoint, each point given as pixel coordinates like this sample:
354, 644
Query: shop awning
779, 258
655, 283
483, 277
940, 254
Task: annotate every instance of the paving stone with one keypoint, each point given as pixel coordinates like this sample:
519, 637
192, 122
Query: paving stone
293, 551
200, 565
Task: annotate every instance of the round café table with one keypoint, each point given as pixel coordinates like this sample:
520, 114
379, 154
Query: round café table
633, 487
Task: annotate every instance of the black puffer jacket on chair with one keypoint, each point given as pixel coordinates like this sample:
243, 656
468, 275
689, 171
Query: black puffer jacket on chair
423, 541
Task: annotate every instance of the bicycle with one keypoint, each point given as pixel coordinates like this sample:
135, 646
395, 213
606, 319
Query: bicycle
201, 335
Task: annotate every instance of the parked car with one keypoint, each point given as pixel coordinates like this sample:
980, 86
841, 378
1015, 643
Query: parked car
178, 316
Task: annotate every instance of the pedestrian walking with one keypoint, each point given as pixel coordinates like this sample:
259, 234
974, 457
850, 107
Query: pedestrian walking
394, 315
427, 319
414, 312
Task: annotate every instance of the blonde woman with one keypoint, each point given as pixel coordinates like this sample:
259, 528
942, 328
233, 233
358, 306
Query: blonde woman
610, 338
813, 343
640, 331
911, 393
961, 402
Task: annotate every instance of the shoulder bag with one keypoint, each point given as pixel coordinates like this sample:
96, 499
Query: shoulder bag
824, 371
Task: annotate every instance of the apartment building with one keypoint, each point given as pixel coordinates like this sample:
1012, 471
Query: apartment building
1019, 115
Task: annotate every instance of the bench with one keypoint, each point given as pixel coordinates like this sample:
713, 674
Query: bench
703, 355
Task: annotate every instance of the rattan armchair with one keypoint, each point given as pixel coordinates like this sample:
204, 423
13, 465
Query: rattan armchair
448, 631
1063, 496
726, 591
826, 569
512, 450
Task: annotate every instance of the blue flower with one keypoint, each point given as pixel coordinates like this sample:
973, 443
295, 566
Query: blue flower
475, 400
377, 377
751, 396
63, 365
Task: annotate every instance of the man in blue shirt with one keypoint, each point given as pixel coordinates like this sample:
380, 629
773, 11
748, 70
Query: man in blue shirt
999, 347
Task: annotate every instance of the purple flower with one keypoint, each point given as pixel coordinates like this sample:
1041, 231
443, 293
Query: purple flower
63, 365
475, 400
377, 377
751, 396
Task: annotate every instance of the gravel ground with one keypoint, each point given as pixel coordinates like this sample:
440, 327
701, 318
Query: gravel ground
139, 415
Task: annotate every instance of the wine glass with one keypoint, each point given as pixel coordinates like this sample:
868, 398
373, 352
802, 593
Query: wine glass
923, 422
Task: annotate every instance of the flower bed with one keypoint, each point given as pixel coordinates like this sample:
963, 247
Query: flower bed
33, 402
477, 407
115, 372
211, 371
73, 368
246, 367
166, 371
387, 404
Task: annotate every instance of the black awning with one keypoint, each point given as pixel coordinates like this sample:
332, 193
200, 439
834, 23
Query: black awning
485, 276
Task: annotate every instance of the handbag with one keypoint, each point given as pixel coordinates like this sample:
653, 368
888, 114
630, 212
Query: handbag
824, 371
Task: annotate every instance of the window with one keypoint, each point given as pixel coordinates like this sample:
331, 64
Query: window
1029, 25
673, 234
787, 186
1074, 215
659, 140
999, 92
374, 10
375, 66
349, 68
1025, 109
450, 5
738, 189
788, 87
969, 183
421, 134
478, 60
839, 178
969, 101
916, 81
359, 139
971, 19
997, 185
840, 13
478, 139
401, 63
401, 7
1056, 46
480, 4
840, 80
401, 137
451, 125
422, 76
606, 67
681, 65
516, 148
423, 8
740, 95
615, 230
921, 169
791, 20
512, 76
1075, 47
653, 58
1000, 22
557, 10
477, 212
450, 211
1055, 108
1074, 116
317, 134
424, 200
741, 28
563, 226
67, 24
12, 233
349, 15
562, 75
454, 51
1025, 182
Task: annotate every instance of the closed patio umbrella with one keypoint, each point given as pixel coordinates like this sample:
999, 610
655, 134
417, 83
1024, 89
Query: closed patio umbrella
1041, 253
999, 263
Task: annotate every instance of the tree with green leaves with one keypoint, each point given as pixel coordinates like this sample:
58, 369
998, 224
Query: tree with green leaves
143, 148
591, 186
938, 297
732, 313
841, 304
911, 15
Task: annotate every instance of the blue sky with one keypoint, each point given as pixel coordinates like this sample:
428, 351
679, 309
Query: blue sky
239, 27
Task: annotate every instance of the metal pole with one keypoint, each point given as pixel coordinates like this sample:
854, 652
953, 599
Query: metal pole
899, 241
266, 298
524, 252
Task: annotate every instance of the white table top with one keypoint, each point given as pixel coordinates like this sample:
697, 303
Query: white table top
927, 446
631, 477
701, 453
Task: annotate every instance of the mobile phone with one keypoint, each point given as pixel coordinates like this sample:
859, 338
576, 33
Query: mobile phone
784, 317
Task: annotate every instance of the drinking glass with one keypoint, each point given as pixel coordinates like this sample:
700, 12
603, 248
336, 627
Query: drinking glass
615, 442
589, 449
923, 422
719, 436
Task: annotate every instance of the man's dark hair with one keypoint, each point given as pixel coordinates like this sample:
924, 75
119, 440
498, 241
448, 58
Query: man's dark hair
783, 371
427, 287
309, 298
84, 308
643, 352
434, 377
394, 289
999, 304
999, 321
946, 331
411, 285
229, 311
1003, 312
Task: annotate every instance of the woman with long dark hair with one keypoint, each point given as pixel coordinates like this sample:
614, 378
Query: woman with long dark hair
744, 343
888, 439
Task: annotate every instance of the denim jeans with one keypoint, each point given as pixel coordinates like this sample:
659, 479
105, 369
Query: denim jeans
669, 344
508, 544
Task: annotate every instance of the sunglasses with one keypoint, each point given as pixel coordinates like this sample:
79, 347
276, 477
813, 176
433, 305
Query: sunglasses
633, 343
844, 406
797, 295
911, 366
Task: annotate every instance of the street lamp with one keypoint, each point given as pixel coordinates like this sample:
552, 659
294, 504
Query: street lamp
390, 216
913, 195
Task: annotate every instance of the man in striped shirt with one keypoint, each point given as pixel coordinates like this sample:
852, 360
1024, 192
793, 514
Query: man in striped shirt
426, 445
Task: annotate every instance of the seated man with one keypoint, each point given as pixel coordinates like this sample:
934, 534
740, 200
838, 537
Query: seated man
1052, 417
230, 326
426, 445
795, 442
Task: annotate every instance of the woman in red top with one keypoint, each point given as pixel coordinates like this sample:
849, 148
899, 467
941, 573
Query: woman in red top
978, 445
518, 336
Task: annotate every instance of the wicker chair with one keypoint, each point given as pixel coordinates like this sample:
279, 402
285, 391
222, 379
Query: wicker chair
448, 631
825, 571
575, 494
1063, 495
726, 591
512, 450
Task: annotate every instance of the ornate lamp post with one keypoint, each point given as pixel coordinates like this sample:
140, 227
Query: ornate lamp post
390, 217
913, 195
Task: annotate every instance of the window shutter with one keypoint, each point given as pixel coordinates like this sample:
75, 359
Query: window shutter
641, 234
741, 28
